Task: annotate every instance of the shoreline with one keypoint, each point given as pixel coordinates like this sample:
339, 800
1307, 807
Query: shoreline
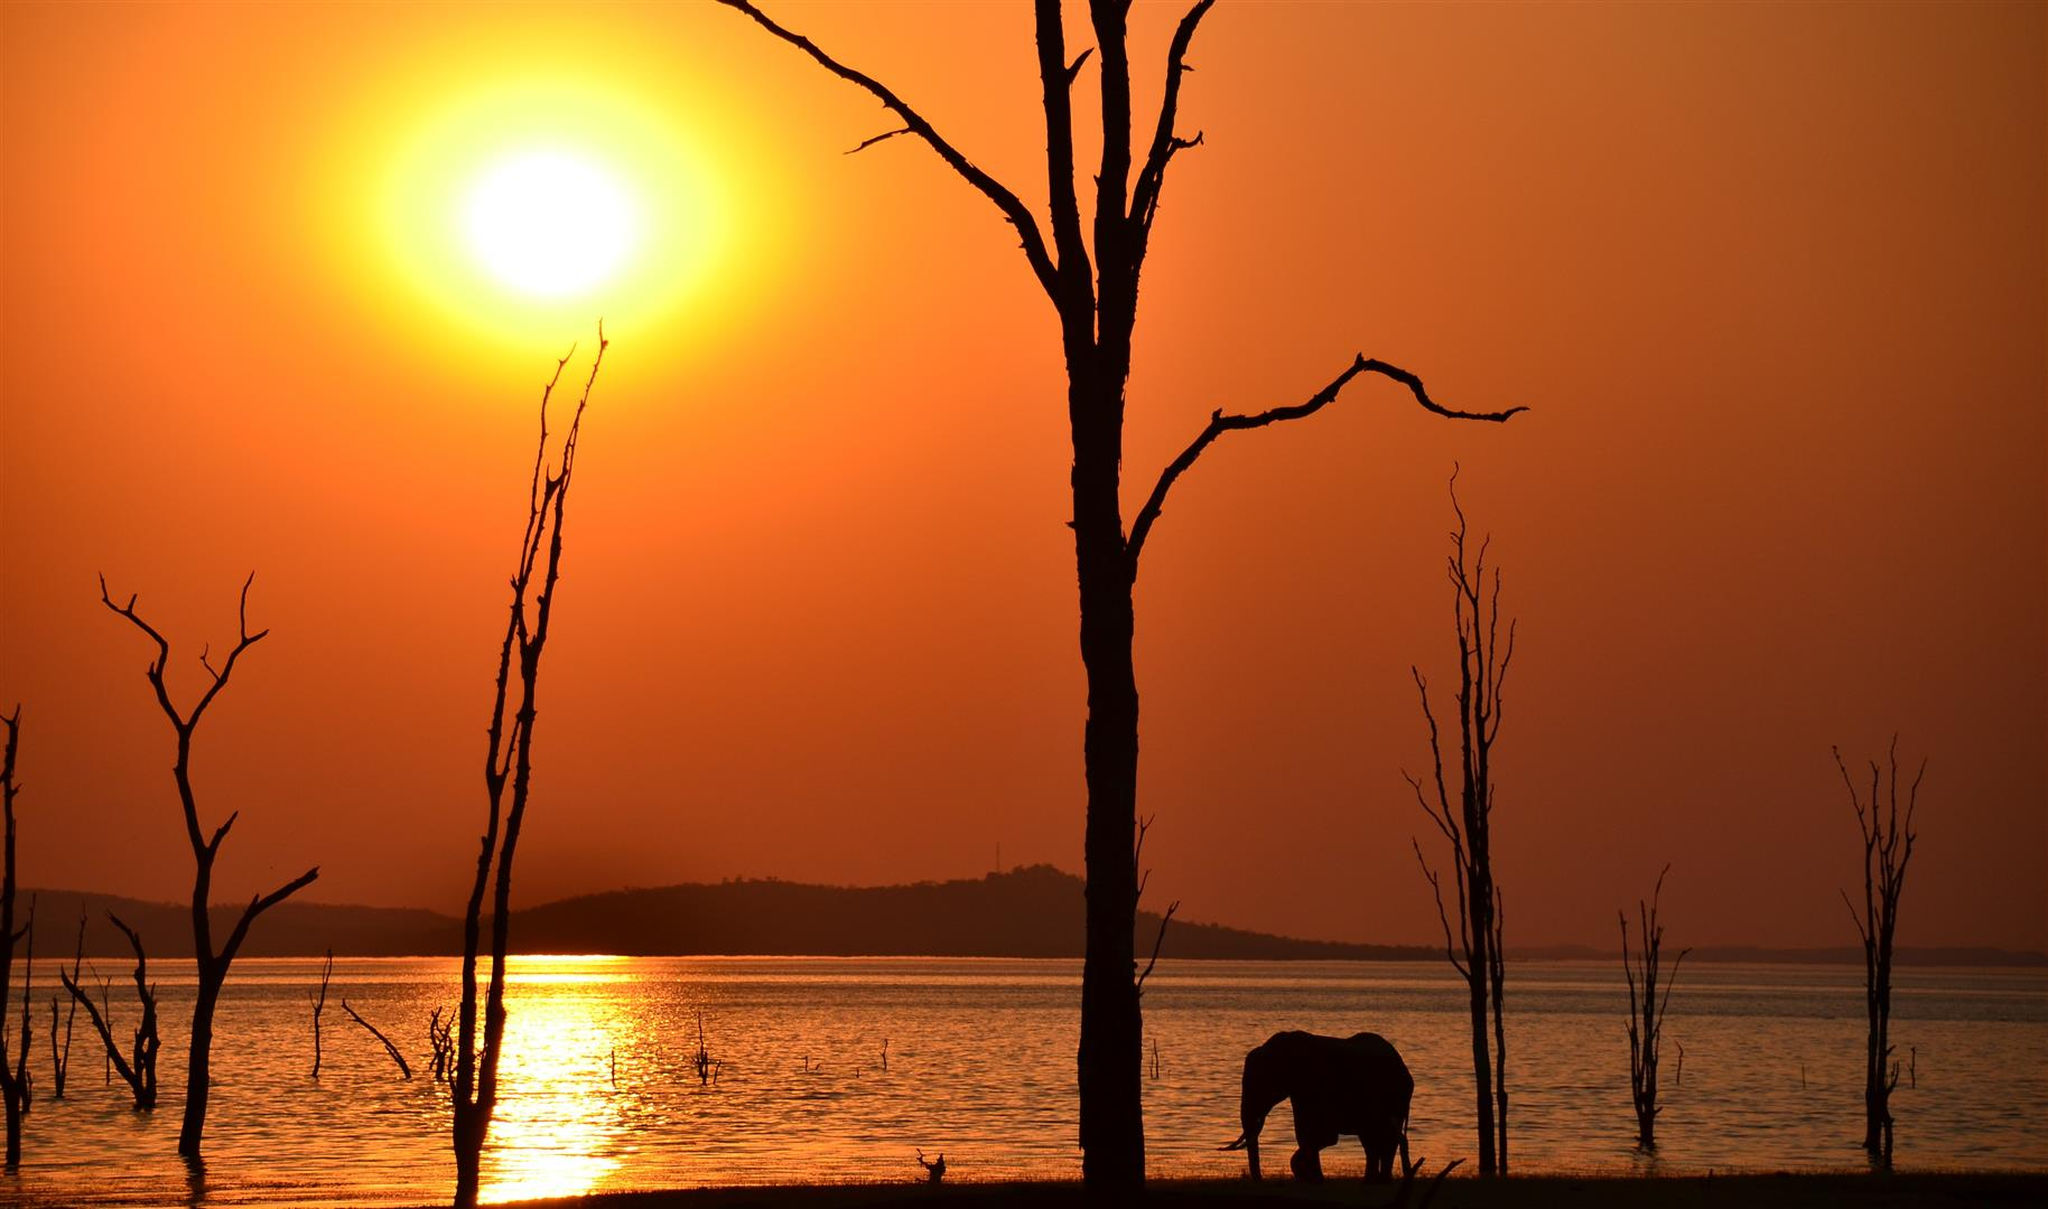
1874, 1190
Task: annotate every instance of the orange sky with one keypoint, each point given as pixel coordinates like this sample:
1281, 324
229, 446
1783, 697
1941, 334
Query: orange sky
1773, 281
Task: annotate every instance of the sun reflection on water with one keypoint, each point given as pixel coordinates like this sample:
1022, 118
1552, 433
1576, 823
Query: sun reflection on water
560, 1125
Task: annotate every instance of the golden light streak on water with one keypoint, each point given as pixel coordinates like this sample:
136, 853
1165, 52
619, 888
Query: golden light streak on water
559, 1124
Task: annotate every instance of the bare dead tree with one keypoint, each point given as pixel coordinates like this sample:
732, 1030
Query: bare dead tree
60, 1057
1466, 823
14, 1089
1646, 1013
213, 962
319, 1003
404, 1067
508, 782
441, 1041
1887, 831
138, 1070
707, 1067
1094, 291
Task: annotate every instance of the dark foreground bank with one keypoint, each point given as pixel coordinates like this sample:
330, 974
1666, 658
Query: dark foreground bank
1519, 1192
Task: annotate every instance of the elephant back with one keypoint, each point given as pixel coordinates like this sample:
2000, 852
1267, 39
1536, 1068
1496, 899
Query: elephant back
1373, 1059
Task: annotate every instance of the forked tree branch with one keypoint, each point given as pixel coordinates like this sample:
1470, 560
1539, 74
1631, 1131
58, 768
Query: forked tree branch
185, 723
1152, 177
258, 904
1012, 207
1221, 422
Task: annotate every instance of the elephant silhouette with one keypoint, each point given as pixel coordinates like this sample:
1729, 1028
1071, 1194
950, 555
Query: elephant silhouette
1354, 1085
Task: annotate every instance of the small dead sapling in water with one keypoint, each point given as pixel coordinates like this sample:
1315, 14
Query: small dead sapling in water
934, 1169
1642, 965
1885, 824
320, 1005
706, 1066
137, 1070
441, 1038
60, 1058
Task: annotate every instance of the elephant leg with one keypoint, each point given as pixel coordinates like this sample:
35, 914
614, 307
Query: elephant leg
1308, 1161
1308, 1165
1380, 1150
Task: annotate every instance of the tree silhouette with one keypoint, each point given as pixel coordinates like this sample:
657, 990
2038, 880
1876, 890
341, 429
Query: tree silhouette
14, 1088
1642, 966
1093, 286
508, 781
319, 1003
212, 962
138, 1071
1467, 825
1888, 836
60, 1056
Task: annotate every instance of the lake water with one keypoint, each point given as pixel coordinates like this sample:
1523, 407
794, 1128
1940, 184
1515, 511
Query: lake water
598, 1094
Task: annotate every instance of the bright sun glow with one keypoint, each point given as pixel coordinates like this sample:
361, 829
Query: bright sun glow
519, 210
550, 223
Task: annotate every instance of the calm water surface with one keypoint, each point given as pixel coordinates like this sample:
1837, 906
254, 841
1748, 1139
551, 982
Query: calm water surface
598, 1094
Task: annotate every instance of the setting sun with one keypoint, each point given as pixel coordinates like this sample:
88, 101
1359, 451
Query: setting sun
549, 223
517, 208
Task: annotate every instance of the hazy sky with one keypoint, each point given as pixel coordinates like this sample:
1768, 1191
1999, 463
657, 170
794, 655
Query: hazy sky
1773, 281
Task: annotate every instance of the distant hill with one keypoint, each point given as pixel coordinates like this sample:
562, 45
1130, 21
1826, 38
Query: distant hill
1030, 912
1035, 911
290, 929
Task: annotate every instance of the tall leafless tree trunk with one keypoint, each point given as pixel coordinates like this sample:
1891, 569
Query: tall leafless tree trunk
1093, 288
1467, 824
212, 962
13, 1073
1646, 1015
1887, 831
138, 1071
508, 781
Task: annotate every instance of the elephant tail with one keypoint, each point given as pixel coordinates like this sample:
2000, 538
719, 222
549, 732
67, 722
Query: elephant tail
1237, 1145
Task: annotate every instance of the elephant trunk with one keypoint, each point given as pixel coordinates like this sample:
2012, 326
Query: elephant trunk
1263, 1088
1254, 1119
